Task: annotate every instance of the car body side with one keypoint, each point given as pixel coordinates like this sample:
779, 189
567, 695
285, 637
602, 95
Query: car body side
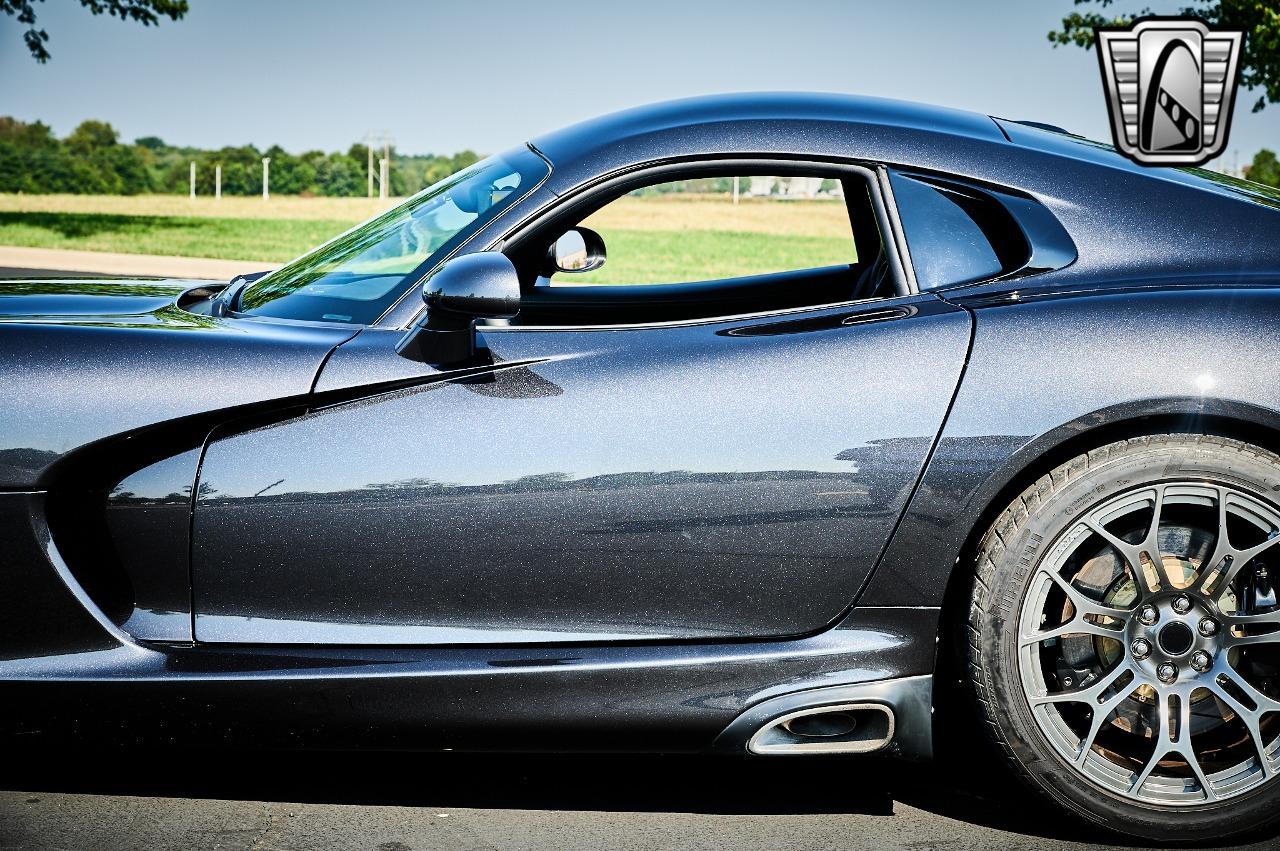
1166, 321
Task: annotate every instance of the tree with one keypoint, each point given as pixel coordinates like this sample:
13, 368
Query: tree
22, 134
122, 169
289, 174
1259, 21
91, 136
340, 175
145, 12
1265, 168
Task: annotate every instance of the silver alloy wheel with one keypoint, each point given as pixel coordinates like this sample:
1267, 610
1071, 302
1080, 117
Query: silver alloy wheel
1139, 654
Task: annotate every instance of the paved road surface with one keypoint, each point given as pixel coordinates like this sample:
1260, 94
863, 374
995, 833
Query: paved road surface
14, 272
394, 802
105, 263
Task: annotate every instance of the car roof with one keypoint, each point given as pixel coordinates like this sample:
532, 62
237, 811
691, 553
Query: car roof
784, 123
712, 111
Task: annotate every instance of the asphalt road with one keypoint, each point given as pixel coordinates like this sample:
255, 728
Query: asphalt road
398, 802
12, 272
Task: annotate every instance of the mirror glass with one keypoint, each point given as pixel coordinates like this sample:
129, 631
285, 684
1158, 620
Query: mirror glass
571, 253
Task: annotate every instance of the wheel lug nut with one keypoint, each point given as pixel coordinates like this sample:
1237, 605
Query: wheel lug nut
1201, 661
1167, 672
1182, 604
1141, 648
1208, 627
1148, 615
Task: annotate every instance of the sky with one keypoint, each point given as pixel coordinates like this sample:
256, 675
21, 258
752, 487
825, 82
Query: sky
440, 77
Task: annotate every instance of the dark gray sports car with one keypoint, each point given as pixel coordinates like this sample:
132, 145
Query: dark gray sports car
1001, 459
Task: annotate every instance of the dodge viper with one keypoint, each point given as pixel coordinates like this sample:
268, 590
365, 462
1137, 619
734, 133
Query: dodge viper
1011, 468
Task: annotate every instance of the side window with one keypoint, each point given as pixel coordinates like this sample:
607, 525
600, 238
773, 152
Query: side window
947, 232
687, 231
706, 246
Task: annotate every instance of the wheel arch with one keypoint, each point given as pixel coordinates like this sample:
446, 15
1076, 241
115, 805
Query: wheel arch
954, 710
1242, 421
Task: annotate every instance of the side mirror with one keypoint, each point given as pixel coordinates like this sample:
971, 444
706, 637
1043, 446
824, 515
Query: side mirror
474, 286
578, 250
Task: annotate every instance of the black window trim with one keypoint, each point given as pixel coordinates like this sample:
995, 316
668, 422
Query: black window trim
890, 204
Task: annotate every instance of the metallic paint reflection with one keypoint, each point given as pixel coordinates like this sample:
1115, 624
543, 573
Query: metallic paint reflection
663, 483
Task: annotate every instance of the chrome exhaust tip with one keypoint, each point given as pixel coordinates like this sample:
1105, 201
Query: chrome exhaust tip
894, 717
847, 728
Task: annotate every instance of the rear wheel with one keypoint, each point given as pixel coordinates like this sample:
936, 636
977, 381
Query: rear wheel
1124, 636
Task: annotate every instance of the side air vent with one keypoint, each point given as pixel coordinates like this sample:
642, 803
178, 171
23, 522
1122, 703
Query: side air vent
846, 728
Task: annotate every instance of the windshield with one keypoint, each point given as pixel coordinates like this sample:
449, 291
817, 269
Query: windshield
358, 275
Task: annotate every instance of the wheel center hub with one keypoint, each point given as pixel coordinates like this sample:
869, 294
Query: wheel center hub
1176, 638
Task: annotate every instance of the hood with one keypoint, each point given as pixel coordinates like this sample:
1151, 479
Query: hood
103, 301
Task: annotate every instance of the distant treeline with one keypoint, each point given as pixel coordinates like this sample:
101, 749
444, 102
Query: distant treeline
1264, 169
92, 161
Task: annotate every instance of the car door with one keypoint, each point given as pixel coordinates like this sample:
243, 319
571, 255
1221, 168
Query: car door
710, 480
609, 473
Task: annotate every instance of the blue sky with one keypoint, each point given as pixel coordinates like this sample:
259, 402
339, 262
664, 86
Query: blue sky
442, 77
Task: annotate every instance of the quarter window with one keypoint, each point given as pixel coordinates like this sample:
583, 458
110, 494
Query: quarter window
945, 233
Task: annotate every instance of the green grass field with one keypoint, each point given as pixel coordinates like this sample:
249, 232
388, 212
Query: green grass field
649, 240
228, 239
660, 256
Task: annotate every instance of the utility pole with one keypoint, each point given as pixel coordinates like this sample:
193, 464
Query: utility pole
193, 179
266, 178
735, 189
217, 182
383, 175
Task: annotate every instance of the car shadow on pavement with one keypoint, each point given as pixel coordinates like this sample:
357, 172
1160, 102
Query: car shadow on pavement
624, 783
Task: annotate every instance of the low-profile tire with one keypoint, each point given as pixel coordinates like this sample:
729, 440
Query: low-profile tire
1087, 644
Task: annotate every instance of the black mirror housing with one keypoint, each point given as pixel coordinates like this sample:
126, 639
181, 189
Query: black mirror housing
484, 285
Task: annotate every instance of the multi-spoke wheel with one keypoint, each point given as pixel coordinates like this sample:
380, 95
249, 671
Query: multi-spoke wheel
1125, 635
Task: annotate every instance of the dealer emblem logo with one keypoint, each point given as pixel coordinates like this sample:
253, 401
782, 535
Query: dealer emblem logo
1171, 83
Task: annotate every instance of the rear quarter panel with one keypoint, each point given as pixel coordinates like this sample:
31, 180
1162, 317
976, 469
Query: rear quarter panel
1053, 377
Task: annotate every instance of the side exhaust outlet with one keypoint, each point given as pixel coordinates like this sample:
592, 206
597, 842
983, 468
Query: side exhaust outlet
893, 717
850, 728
